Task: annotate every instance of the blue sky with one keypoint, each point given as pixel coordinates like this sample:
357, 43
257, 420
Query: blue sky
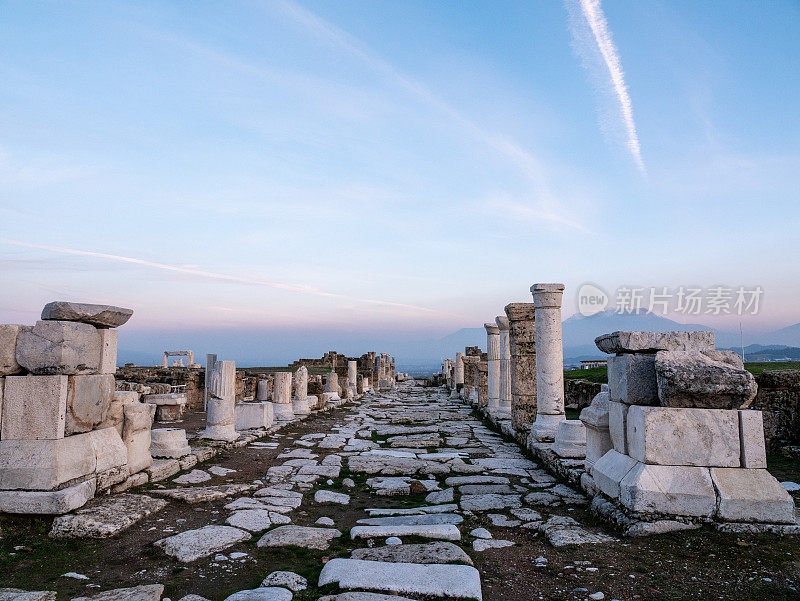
392, 168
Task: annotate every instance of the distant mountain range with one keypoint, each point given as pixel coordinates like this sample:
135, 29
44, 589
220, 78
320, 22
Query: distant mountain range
579, 332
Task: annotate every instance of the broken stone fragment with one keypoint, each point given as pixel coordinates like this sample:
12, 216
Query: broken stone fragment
8, 348
704, 379
651, 342
146, 592
102, 316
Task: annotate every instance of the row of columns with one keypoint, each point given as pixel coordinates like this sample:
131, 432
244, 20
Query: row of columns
525, 365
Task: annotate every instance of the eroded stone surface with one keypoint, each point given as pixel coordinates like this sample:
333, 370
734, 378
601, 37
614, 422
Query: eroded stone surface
107, 517
202, 542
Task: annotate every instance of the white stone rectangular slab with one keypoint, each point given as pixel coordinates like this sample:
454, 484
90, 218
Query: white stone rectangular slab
51, 502
678, 436
670, 489
88, 400
752, 495
108, 350
434, 580
59, 347
751, 434
609, 470
45, 464
34, 407
435, 531
251, 416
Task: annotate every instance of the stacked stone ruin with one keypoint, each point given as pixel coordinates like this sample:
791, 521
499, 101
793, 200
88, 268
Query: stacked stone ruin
668, 444
65, 432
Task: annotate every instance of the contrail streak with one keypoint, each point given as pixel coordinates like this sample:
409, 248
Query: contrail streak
210, 274
596, 20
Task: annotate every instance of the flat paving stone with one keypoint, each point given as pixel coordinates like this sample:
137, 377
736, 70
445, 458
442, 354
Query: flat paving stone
252, 520
145, 592
307, 537
201, 494
434, 552
202, 542
268, 593
436, 580
436, 531
413, 520
110, 516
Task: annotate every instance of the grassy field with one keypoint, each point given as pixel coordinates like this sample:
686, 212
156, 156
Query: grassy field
600, 374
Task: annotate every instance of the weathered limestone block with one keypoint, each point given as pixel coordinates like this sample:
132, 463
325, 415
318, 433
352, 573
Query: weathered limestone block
112, 515
617, 426
609, 471
570, 440
45, 464
161, 469
598, 436
677, 436
169, 406
34, 407
752, 495
708, 379
53, 502
8, 348
136, 435
108, 350
102, 316
672, 489
111, 457
651, 342
751, 433
169, 443
522, 343
88, 400
59, 347
632, 379
253, 416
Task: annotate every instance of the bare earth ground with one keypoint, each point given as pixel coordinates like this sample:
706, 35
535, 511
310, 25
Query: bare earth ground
701, 564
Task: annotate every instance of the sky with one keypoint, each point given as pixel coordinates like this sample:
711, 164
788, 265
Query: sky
367, 172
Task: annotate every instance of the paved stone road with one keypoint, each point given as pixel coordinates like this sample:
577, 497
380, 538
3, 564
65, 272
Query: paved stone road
413, 470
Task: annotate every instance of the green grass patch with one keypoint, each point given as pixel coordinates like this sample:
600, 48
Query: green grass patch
598, 375
757, 368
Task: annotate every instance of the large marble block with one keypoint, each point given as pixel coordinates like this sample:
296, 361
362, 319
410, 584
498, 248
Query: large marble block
138, 419
34, 407
672, 436
617, 425
102, 316
59, 347
671, 489
8, 349
632, 379
54, 502
752, 495
651, 342
88, 400
252, 416
751, 434
598, 435
570, 439
609, 470
708, 379
111, 456
45, 464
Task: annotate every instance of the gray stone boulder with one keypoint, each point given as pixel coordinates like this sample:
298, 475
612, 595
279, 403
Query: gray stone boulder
651, 342
704, 379
102, 316
59, 347
145, 592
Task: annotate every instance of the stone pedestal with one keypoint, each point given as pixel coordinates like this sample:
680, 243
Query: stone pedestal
254, 416
549, 361
332, 387
220, 419
570, 439
504, 407
493, 371
169, 443
282, 397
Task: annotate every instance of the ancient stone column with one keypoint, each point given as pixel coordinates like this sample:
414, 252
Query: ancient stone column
352, 377
300, 404
332, 385
282, 397
522, 343
549, 361
504, 409
220, 419
493, 349
262, 390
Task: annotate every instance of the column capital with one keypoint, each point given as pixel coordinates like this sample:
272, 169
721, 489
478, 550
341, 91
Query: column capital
547, 295
491, 329
502, 322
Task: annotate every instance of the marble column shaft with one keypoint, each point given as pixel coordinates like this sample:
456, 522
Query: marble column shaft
220, 418
504, 409
549, 360
282, 397
493, 373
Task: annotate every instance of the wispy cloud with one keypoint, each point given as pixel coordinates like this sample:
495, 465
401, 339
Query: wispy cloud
213, 275
591, 14
549, 210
